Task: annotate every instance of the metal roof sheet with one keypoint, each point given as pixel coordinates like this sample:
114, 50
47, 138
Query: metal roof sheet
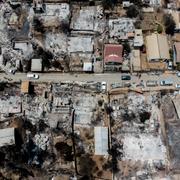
7, 137
101, 140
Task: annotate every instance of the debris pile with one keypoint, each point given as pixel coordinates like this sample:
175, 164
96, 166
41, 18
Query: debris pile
42, 141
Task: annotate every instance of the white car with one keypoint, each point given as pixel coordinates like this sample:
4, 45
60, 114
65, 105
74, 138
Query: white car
12, 71
178, 86
178, 74
103, 86
32, 76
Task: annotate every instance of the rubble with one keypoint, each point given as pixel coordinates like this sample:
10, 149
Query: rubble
52, 43
88, 19
140, 148
42, 141
136, 120
119, 28
86, 130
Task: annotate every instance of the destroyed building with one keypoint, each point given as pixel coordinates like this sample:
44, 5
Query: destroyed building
80, 54
120, 28
88, 20
135, 126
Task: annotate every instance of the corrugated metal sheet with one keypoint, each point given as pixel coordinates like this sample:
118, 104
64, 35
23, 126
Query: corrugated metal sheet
157, 47
25, 87
136, 61
163, 46
101, 140
36, 65
87, 66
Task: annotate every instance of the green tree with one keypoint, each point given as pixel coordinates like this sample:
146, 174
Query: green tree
132, 11
86, 165
65, 26
137, 2
38, 25
108, 4
126, 47
171, 53
169, 24
178, 67
159, 29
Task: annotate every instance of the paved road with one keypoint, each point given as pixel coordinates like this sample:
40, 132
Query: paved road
109, 78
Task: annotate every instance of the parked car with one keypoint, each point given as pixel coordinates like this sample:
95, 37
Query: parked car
127, 84
178, 86
178, 74
103, 86
166, 83
12, 71
32, 76
151, 83
125, 77
116, 85
170, 65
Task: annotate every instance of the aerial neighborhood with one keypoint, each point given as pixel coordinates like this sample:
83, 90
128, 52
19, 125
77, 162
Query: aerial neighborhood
90, 90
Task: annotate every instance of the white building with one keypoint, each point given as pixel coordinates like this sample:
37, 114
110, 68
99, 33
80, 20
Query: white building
36, 65
155, 2
138, 38
126, 3
87, 67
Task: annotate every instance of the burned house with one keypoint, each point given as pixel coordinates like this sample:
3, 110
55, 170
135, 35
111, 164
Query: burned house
79, 53
53, 14
88, 20
121, 28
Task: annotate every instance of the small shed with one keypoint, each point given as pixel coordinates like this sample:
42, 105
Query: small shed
87, 67
36, 65
7, 137
25, 87
101, 140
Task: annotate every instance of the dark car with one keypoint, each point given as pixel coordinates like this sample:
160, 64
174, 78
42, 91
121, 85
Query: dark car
125, 77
